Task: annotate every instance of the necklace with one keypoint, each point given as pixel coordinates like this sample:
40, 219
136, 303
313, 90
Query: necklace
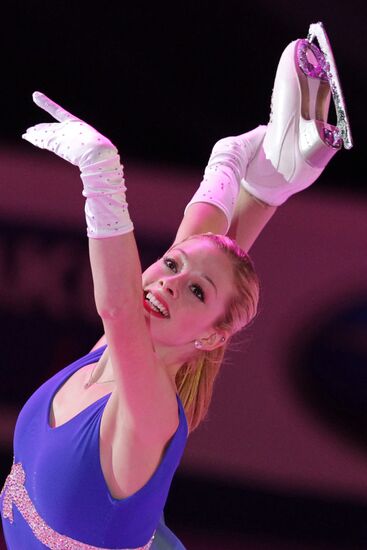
96, 373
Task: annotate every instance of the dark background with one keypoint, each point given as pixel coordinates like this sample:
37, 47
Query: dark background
165, 80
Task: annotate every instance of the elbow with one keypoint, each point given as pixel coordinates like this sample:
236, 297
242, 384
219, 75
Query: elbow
116, 310
110, 313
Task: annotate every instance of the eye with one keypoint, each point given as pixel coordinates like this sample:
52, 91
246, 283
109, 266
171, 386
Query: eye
171, 264
198, 292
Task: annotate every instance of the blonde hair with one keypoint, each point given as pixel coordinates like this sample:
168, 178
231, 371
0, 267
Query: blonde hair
195, 379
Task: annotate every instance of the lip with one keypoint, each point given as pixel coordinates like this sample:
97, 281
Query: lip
149, 308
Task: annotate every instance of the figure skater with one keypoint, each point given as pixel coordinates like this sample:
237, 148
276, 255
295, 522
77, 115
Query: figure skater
97, 445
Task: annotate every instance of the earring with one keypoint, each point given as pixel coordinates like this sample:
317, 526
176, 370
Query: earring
199, 344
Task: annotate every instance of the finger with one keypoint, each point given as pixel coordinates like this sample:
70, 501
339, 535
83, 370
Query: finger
37, 135
55, 110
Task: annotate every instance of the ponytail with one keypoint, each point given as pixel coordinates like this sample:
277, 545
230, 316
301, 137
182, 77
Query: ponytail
195, 379
195, 382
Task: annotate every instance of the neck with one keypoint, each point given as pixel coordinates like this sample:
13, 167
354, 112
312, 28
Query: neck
101, 372
171, 359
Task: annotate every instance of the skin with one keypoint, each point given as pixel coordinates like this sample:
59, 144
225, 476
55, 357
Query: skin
141, 414
195, 303
145, 351
249, 219
196, 281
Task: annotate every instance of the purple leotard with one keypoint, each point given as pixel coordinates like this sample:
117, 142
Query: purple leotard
56, 495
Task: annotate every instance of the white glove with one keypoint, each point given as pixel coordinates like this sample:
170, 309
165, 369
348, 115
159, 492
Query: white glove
226, 167
101, 171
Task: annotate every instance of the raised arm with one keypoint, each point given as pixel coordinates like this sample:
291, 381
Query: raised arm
142, 386
249, 219
221, 204
288, 157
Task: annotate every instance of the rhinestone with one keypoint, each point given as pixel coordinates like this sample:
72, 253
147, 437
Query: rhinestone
315, 71
16, 494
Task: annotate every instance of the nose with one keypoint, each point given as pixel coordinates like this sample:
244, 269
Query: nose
170, 286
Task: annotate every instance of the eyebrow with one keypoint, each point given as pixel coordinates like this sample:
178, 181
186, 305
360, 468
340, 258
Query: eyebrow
202, 274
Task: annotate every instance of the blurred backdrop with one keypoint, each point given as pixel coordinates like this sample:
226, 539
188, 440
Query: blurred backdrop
281, 461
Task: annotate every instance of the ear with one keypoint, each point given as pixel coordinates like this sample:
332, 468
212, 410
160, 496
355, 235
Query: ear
214, 340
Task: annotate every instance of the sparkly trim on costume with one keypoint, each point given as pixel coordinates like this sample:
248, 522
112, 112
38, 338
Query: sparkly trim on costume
14, 492
317, 31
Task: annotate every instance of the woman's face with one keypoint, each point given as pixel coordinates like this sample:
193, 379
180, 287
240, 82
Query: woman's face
186, 291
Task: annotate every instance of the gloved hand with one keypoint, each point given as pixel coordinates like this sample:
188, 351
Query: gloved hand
70, 138
101, 172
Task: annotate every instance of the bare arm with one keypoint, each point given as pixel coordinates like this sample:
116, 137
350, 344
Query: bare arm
143, 394
221, 200
249, 219
201, 217
142, 385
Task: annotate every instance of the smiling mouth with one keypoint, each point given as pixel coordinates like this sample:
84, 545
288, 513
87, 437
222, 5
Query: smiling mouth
153, 305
